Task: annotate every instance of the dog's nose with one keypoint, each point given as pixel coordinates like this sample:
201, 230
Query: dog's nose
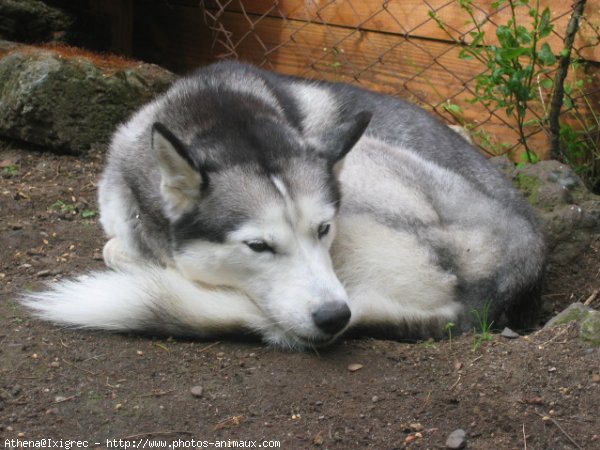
332, 317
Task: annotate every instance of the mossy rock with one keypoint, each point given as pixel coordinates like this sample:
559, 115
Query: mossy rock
570, 213
587, 318
32, 21
590, 328
68, 99
529, 186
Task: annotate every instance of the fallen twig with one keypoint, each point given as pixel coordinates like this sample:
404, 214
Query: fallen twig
455, 383
561, 429
233, 420
591, 298
209, 346
157, 393
79, 368
562, 331
66, 399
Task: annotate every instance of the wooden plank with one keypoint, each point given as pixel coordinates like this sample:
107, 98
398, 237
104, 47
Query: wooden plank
411, 17
174, 37
383, 62
121, 19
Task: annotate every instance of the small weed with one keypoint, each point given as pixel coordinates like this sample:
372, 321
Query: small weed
448, 329
10, 170
12, 303
430, 344
452, 108
63, 207
162, 346
336, 64
485, 326
89, 213
488, 142
94, 396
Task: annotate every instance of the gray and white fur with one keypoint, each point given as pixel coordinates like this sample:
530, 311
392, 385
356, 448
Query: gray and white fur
244, 201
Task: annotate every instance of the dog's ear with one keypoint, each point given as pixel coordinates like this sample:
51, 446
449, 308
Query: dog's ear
181, 181
341, 139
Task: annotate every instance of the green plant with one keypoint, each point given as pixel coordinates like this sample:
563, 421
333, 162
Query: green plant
513, 65
452, 108
336, 64
482, 318
429, 344
448, 329
10, 170
488, 142
522, 74
89, 213
63, 207
579, 131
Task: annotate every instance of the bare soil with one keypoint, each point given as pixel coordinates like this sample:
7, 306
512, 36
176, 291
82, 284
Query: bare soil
540, 391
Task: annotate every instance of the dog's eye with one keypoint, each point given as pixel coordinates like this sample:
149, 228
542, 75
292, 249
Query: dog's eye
323, 230
259, 246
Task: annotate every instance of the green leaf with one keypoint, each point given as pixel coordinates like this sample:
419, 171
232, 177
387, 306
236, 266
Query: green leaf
534, 157
545, 55
506, 37
523, 34
545, 27
451, 107
547, 83
465, 55
528, 156
508, 54
88, 213
477, 38
567, 102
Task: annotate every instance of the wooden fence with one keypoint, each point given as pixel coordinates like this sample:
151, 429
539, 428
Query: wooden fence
390, 46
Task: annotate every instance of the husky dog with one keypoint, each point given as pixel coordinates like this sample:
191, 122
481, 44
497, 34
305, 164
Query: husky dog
247, 201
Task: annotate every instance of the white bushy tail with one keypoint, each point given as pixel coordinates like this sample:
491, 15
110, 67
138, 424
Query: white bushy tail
145, 299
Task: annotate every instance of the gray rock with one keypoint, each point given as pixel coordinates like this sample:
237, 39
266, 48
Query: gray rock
197, 391
569, 211
457, 440
69, 99
587, 318
32, 21
509, 334
589, 329
574, 312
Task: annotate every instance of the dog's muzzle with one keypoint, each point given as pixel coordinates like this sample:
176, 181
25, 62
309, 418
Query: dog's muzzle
332, 317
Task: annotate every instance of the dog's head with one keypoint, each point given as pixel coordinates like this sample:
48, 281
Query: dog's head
255, 210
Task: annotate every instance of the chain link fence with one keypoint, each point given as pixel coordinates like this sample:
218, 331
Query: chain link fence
398, 47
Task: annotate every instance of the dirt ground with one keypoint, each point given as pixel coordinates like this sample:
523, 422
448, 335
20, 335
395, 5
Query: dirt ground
540, 391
